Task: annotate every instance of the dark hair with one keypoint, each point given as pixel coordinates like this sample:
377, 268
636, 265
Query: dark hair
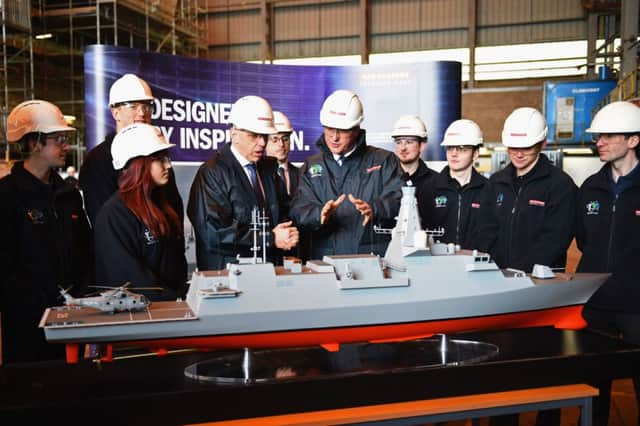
37, 137
147, 201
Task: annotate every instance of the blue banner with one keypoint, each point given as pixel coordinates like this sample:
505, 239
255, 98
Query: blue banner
194, 97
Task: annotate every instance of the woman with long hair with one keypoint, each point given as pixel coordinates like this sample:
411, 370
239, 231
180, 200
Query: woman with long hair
138, 235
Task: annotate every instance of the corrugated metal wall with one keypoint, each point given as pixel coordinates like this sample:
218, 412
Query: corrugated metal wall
327, 28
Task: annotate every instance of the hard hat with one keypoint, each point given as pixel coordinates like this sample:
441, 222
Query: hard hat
409, 125
282, 123
129, 88
617, 117
462, 132
341, 110
35, 116
137, 140
524, 128
253, 113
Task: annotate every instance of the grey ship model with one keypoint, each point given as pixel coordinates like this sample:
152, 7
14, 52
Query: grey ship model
419, 288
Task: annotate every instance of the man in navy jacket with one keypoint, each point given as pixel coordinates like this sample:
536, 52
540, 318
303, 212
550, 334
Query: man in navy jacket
528, 208
348, 186
608, 231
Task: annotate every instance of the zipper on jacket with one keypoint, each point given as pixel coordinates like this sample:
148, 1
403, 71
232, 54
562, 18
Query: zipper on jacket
64, 242
513, 215
611, 226
458, 219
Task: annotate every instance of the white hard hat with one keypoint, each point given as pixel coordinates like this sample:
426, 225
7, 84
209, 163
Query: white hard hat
409, 125
524, 128
129, 88
341, 110
35, 116
462, 132
253, 113
617, 117
282, 123
137, 140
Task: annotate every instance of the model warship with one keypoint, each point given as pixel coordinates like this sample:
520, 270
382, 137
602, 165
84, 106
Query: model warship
419, 288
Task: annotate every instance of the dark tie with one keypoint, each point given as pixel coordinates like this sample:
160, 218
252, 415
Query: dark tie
253, 176
340, 160
282, 172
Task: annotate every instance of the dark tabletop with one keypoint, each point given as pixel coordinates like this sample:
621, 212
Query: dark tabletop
156, 390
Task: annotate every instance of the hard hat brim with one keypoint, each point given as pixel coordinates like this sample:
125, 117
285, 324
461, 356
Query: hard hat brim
143, 99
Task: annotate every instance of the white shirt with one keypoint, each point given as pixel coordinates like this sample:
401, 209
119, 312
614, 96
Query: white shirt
337, 156
243, 162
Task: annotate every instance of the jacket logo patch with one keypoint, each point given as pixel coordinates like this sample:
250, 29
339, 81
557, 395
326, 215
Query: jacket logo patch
374, 168
149, 238
440, 201
593, 208
74, 216
315, 170
538, 203
475, 205
500, 199
36, 216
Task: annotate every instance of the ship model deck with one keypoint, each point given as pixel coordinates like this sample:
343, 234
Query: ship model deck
419, 288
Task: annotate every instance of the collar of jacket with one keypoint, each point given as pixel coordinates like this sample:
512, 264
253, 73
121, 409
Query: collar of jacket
542, 169
28, 182
422, 170
225, 152
361, 144
602, 178
445, 181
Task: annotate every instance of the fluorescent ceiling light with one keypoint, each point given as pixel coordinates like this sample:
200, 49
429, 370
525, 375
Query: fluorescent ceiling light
578, 151
43, 36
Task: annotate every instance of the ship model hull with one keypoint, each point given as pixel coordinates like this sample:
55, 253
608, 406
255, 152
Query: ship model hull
419, 288
264, 306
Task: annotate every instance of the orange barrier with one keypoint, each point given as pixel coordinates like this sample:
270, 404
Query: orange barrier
439, 409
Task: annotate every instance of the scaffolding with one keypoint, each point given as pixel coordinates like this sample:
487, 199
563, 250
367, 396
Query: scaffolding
56, 32
17, 62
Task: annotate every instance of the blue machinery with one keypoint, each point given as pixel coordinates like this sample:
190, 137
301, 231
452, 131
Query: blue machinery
568, 108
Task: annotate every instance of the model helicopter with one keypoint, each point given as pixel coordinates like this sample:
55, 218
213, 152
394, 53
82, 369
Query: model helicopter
115, 299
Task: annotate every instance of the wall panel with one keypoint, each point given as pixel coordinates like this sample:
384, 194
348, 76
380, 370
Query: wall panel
296, 23
327, 28
533, 33
390, 16
341, 19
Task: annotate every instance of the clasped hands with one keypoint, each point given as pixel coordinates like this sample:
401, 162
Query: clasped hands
362, 206
286, 235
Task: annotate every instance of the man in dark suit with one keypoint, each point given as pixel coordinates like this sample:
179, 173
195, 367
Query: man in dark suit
237, 179
278, 147
130, 101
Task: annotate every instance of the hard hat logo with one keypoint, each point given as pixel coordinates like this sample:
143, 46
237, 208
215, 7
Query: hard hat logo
524, 128
254, 114
281, 122
35, 116
462, 133
409, 125
137, 140
342, 110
